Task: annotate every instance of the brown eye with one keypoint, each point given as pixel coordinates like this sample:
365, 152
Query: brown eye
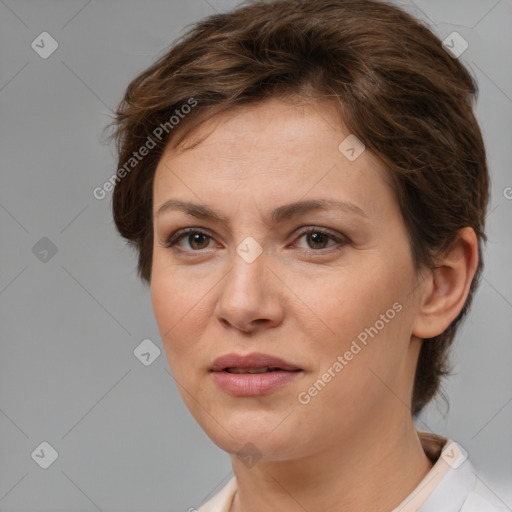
199, 239
317, 239
196, 239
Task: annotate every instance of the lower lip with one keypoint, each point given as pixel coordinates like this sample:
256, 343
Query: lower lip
253, 384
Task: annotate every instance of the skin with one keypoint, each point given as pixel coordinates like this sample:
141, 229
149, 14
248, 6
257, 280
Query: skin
354, 445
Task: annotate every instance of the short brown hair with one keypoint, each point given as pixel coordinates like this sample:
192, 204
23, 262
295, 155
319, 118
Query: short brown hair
396, 88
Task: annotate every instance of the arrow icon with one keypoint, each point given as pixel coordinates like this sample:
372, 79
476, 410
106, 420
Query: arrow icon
249, 249
351, 147
454, 455
44, 45
44, 455
146, 352
44, 250
249, 454
455, 44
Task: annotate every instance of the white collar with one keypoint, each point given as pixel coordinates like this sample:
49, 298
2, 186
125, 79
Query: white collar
447, 485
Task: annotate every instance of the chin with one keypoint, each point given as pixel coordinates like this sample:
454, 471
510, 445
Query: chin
250, 433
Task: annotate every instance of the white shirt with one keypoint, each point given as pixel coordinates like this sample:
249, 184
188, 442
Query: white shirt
450, 486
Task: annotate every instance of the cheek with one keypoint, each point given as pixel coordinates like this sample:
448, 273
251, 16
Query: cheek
369, 318
353, 301
164, 300
175, 305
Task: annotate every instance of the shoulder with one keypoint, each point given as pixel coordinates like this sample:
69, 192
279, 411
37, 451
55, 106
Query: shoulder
459, 487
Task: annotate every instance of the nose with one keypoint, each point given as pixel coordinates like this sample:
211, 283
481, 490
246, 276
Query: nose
250, 297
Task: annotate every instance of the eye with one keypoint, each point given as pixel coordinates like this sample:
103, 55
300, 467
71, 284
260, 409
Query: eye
197, 239
317, 239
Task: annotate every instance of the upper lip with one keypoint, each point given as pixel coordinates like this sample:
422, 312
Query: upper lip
253, 360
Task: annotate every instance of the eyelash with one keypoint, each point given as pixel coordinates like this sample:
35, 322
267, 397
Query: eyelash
177, 236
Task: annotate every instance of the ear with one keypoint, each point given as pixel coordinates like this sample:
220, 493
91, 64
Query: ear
445, 291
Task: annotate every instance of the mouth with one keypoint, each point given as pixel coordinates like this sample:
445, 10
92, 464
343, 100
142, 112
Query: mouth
254, 362
253, 374
264, 369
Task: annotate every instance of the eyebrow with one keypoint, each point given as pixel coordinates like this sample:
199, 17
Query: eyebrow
278, 215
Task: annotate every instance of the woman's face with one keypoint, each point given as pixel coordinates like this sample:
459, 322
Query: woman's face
328, 290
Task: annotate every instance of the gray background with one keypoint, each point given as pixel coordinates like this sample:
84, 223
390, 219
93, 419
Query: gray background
70, 324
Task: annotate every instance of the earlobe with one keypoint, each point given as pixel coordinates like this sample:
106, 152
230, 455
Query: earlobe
446, 289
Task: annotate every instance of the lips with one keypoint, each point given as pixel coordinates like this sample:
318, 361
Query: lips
253, 374
251, 363
264, 369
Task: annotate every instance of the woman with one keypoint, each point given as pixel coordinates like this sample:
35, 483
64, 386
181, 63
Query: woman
306, 186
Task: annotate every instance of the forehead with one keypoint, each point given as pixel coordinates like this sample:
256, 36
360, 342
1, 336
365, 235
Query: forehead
270, 149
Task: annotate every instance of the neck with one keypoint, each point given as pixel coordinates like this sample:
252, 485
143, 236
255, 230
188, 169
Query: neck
372, 471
